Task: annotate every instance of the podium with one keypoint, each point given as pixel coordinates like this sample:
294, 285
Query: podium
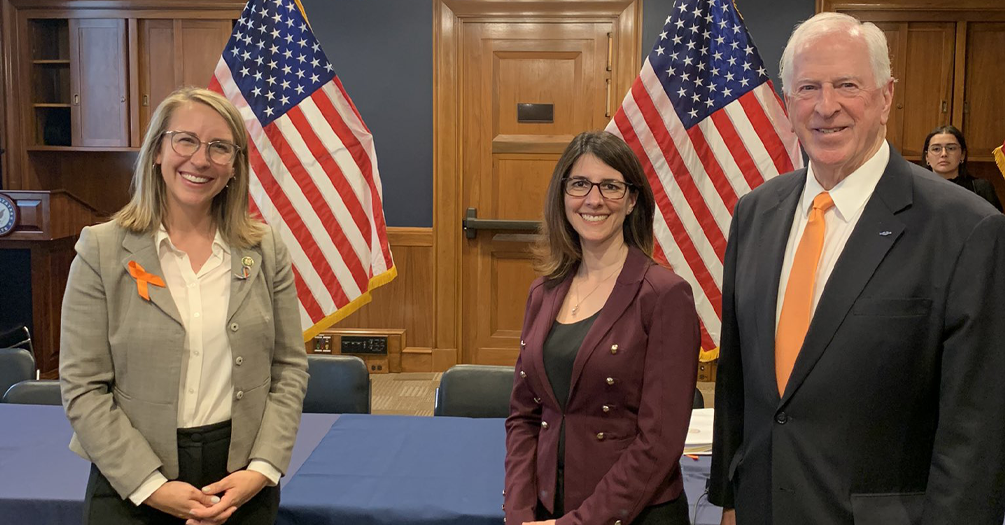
48, 225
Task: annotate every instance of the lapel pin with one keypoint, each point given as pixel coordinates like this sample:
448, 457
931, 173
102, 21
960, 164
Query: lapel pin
885, 233
246, 263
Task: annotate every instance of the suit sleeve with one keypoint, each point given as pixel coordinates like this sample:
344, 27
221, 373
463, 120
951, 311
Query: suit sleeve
285, 401
671, 371
522, 427
728, 426
966, 482
87, 376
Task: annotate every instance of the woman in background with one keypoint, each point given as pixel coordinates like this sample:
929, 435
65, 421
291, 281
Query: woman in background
182, 365
608, 361
946, 154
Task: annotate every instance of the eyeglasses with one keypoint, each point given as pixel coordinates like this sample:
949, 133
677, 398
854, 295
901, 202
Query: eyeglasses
186, 144
936, 149
581, 187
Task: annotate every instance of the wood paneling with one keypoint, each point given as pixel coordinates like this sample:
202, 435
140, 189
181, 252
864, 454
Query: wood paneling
939, 6
984, 99
407, 301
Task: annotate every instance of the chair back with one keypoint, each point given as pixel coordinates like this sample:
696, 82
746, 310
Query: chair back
474, 391
339, 384
17, 337
699, 400
16, 365
34, 392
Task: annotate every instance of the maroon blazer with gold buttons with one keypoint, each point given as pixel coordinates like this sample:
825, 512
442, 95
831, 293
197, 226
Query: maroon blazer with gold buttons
629, 401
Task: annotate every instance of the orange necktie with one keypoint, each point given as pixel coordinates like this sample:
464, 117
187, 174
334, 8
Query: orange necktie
798, 301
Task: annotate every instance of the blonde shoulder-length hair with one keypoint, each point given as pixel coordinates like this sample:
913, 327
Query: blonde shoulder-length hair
147, 205
558, 249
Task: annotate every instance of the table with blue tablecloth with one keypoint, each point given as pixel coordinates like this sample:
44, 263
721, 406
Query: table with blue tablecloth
360, 469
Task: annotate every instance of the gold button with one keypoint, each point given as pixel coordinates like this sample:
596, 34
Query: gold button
600, 436
523, 374
544, 425
607, 409
610, 380
537, 400
614, 349
503, 506
618, 522
522, 343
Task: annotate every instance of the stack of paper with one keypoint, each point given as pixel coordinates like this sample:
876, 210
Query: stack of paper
699, 432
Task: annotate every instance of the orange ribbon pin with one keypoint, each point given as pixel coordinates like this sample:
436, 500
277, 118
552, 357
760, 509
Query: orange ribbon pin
143, 279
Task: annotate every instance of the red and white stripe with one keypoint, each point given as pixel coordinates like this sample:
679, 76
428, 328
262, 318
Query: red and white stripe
314, 177
698, 174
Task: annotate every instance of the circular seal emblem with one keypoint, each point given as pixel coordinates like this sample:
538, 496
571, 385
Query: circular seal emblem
8, 215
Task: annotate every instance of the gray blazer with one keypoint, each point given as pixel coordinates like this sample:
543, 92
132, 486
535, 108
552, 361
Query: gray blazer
121, 358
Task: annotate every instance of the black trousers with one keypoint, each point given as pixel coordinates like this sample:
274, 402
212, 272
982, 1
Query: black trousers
673, 512
202, 459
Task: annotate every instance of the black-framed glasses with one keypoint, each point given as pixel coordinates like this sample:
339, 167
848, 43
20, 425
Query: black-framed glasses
581, 187
186, 144
936, 149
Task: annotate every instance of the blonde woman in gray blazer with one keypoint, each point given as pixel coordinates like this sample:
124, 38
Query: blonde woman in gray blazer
182, 364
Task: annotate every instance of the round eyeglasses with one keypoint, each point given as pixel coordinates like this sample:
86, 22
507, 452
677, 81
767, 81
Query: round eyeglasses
937, 149
186, 144
581, 187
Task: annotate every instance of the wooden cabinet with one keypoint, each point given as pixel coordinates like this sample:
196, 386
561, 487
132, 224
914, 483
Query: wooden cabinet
173, 53
82, 79
983, 94
99, 113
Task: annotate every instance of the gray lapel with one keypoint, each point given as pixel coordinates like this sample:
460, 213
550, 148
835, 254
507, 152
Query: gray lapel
775, 222
140, 247
240, 286
863, 253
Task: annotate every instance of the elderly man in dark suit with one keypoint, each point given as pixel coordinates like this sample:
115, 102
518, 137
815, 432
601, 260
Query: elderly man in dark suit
863, 336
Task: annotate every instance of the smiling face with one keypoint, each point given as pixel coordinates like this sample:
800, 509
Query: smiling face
192, 182
835, 108
944, 155
596, 219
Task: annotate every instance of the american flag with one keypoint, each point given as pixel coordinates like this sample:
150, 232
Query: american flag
705, 122
313, 165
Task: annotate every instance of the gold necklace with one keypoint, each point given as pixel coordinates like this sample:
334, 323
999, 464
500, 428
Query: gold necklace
579, 301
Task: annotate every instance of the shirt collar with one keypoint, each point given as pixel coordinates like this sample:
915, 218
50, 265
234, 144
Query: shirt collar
163, 241
851, 194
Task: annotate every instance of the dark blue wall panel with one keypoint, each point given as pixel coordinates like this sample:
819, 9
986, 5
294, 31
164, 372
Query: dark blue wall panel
382, 50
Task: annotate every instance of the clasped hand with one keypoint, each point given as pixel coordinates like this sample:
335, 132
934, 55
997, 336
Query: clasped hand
212, 505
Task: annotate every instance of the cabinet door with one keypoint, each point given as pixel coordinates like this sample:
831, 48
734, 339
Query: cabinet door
156, 67
99, 112
176, 53
984, 103
927, 82
921, 55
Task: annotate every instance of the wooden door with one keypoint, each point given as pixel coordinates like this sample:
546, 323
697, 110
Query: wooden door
176, 53
99, 113
984, 97
922, 61
507, 163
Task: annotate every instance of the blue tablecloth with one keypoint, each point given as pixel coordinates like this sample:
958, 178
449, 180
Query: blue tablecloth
358, 469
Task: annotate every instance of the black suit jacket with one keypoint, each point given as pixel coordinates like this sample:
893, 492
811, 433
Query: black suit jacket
895, 410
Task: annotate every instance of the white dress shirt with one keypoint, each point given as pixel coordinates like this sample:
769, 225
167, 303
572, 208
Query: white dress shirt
205, 389
849, 196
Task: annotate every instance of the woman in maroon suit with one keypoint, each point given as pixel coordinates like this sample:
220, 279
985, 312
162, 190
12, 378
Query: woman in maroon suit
608, 360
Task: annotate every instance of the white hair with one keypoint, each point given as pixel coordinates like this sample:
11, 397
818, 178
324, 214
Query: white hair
823, 24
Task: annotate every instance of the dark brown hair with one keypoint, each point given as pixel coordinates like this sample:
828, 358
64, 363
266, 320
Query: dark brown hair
949, 130
558, 250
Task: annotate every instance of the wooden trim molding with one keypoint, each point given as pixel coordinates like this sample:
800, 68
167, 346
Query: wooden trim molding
910, 5
399, 236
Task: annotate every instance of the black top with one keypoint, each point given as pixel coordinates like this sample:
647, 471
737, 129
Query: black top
981, 187
560, 349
